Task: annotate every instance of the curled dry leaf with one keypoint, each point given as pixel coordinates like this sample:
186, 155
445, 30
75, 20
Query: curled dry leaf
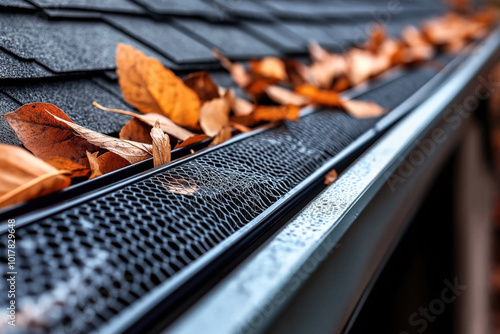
317, 53
237, 70
276, 113
26, 177
223, 135
363, 109
214, 115
74, 169
136, 130
129, 150
166, 124
240, 127
192, 140
269, 67
360, 64
331, 177
47, 137
202, 84
161, 146
284, 96
319, 96
105, 163
152, 88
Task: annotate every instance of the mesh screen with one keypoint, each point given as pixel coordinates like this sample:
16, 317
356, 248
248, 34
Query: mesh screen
82, 266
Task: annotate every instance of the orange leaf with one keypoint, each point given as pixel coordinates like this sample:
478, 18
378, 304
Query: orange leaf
76, 170
284, 96
360, 64
161, 146
318, 96
131, 151
376, 39
166, 124
241, 107
105, 163
136, 130
214, 115
276, 113
363, 109
47, 137
237, 70
223, 135
192, 140
26, 177
240, 127
201, 83
331, 177
269, 67
152, 88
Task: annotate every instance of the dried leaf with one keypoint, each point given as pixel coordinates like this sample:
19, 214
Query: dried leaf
341, 84
161, 146
129, 150
269, 67
181, 187
363, 109
47, 137
241, 107
276, 113
240, 127
317, 53
237, 70
152, 88
192, 140
331, 177
376, 39
167, 125
223, 135
105, 163
201, 83
214, 115
284, 96
360, 65
318, 96
76, 170
26, 177
136, 130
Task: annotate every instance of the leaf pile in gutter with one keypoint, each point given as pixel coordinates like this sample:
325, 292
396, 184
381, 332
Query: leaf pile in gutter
182, 112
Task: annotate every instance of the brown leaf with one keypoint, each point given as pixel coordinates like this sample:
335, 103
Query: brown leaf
136, 130
284, 96
105, 163
47, 137
237, 70
214, 115
241, 107
376, 39
276, 113
318, 96
331, 177
341, 84
131, 151
363, 109
181, 187
201, 83
269, 67
192, 140
76, 170
26, 177
223, 135
360, 64
152, 88
166, 124
240, 127
161, 146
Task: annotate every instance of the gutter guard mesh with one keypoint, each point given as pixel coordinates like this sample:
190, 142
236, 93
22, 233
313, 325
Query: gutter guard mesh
80, 267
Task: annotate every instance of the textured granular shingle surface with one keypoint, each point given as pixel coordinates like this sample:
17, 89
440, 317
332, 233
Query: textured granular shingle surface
124, 6
6, 133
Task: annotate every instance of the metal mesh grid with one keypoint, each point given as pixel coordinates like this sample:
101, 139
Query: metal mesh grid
80, 267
